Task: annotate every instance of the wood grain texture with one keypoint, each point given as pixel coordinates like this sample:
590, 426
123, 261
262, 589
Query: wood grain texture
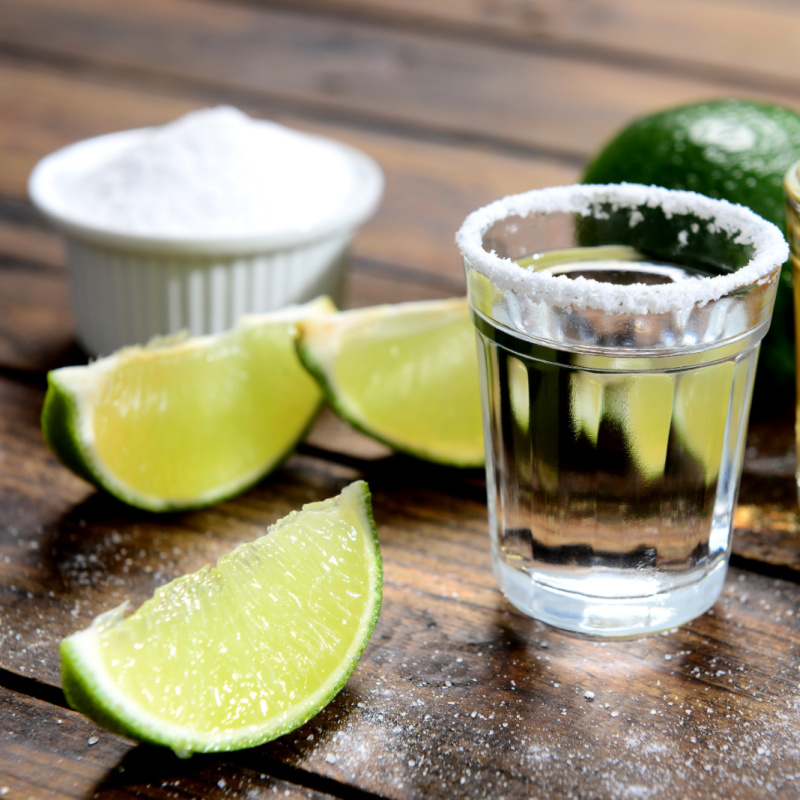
47, 751
417, 81
753, 42
457, 693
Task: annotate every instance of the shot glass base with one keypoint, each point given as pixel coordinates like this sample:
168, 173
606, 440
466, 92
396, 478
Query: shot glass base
610, 617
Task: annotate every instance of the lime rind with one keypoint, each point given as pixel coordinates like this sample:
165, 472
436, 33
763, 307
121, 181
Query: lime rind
59, 427
405, 375
73, 413
94, 689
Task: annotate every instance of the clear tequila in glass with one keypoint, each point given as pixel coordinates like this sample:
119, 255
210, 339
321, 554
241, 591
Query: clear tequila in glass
613, 476
615, 427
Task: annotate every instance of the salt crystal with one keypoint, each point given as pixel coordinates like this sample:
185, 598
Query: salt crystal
589, 695
331, 759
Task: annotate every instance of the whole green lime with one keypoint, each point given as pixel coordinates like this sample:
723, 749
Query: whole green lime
734, 149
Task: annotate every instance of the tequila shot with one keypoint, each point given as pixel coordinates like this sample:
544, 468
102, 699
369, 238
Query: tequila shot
618, 330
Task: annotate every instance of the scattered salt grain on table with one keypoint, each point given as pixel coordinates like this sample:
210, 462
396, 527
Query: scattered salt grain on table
214, 172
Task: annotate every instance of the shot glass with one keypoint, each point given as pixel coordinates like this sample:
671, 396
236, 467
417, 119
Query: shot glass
618, 330
791, 186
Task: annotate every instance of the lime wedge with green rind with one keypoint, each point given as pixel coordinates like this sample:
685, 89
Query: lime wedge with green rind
186, 422
241, 653
405, 374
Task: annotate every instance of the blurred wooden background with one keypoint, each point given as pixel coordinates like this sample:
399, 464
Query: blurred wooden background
461, 102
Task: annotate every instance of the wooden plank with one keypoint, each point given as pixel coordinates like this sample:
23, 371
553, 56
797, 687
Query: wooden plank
754, 41
36, 326
447, 644
457, 695
500, 704
415, 81
52, 752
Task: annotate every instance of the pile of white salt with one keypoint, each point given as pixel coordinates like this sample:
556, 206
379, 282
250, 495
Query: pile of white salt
214, 173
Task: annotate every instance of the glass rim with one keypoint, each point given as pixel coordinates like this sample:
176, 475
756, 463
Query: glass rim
740, 223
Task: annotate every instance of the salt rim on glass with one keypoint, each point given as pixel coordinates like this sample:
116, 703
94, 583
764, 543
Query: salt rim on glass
743, 225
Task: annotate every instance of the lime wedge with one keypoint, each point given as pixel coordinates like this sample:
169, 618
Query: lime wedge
241, 653
405, 374
183, 423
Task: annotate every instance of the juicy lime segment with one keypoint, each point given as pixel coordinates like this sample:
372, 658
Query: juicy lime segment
185, 423
241, 653
406, 374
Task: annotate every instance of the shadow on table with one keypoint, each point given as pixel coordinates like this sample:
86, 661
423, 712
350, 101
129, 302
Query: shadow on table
148, 770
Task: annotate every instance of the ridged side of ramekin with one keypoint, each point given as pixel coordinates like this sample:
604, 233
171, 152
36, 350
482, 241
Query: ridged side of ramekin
123, 297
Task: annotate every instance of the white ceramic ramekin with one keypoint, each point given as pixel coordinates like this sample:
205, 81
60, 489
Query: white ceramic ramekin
128, 288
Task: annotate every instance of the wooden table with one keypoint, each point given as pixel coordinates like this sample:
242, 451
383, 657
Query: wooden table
457, 695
